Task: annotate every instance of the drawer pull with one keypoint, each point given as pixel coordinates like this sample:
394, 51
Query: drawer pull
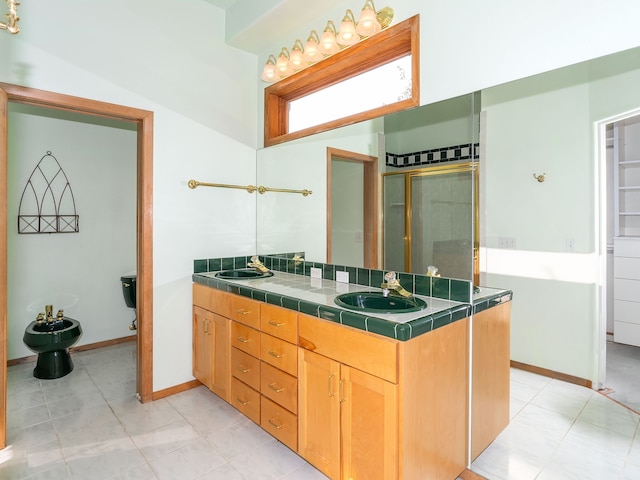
242, 402
275, 388
277, 425
273, 353
242, 368
276, 324
243, 340
242, 311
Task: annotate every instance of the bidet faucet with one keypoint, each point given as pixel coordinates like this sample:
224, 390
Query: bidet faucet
257, 264
392, 285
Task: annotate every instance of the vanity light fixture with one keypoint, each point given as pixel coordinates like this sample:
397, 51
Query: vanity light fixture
347, 34
269, 72
282, 64
296, 60
12, 17
331, 41
311, 53
328, 44
368, 23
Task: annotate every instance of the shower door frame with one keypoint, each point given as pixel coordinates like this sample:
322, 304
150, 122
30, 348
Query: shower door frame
144, 231
471, 167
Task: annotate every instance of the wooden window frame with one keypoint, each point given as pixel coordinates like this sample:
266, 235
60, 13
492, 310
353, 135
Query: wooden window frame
384, 47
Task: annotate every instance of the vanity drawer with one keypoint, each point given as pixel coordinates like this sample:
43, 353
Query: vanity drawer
245, 399
280, 354
279, 322
365, 351
211, 299
245, 310
279, 422
245, 338
280, 387
245, 367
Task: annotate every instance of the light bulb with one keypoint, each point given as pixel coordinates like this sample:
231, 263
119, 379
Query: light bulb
269, 71
347, 34
311, 53
368, 23
328, 44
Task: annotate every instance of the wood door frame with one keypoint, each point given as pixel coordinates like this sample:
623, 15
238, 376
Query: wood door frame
144, 213
370, 214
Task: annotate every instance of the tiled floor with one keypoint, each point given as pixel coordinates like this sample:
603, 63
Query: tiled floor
561, 431
88, 425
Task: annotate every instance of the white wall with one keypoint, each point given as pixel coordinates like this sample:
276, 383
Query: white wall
78, 272
172, 61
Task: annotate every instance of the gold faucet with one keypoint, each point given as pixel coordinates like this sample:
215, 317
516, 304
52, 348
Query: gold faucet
257, 264
392, 284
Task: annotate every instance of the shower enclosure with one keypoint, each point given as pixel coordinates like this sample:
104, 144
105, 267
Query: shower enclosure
430, 219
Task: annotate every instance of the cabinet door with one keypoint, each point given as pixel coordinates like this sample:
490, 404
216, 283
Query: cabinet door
219, 330
369, 420
319, 412
202, 346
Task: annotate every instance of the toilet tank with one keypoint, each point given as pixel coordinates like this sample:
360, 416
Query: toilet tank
129, 290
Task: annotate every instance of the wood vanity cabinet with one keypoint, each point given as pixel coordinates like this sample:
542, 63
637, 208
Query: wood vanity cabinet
371, 407
354, 404
211, 330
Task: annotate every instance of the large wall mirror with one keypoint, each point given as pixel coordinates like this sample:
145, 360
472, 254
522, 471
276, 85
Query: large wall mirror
423, 209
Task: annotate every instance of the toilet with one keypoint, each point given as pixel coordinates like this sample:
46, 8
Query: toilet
129, 294
51, 340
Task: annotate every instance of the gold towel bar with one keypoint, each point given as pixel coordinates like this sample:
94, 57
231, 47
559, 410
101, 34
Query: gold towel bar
249, 188
195, 183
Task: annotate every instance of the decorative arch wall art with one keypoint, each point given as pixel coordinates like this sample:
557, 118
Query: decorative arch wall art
47, 204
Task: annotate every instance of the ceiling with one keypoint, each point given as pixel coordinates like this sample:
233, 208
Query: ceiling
252, 24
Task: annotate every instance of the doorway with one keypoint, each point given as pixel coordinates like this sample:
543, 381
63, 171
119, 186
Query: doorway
144, 243
352, 209
619, 252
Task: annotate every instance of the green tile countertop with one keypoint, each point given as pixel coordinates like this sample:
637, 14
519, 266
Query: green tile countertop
315, 296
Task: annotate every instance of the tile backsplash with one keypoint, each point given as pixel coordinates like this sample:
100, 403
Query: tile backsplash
438, 287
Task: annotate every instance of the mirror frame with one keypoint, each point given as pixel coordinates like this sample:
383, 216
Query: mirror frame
388, 45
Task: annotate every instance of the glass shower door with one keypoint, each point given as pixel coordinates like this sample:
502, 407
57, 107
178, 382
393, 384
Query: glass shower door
430, 220
442, 223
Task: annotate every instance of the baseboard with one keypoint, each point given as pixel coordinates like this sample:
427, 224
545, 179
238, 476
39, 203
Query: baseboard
183, 387
81, 348
583, 382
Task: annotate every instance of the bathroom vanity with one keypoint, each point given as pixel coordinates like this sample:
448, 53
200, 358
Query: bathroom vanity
357, 395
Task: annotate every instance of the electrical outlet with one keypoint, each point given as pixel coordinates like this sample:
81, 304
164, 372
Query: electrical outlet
316, 272
342, 277
507, 242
